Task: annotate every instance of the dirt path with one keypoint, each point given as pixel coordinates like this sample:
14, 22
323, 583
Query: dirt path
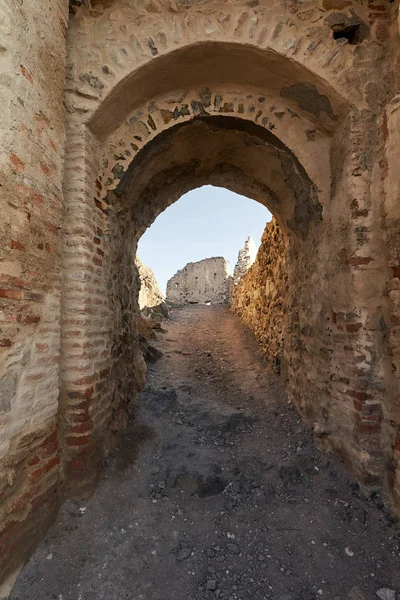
216, 492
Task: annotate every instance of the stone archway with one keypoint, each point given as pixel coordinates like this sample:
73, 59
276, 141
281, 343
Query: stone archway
287, 146
148, 72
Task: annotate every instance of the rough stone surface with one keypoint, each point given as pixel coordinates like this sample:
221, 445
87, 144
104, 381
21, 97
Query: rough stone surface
292, 103
33, 58
386, 594
204, 282
188, 507
259, 299
150, 294
246, 258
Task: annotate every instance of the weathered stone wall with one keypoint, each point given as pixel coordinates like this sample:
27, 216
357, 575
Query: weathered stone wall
163, 97
246, 257
206, 281
306, 141
32, 134
150, 293
259, 298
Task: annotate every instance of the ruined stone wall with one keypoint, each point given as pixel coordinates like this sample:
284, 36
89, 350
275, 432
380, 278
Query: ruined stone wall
305, 141
32, 134
150, 293
387, 184
206, 281
246, 257
163, 97
259, 298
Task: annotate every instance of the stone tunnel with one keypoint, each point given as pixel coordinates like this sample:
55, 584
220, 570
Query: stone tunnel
114, 110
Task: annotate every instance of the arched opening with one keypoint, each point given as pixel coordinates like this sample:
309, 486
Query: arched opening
215, 247
293, 104
243, 66
283, 146
244, 157
206, 222
222, 150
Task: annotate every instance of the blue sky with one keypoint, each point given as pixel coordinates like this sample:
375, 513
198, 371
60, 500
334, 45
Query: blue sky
206, 222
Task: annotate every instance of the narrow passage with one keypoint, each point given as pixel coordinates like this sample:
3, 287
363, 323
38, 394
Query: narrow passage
216, 491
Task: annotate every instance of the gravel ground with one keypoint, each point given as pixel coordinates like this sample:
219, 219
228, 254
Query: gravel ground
217, 492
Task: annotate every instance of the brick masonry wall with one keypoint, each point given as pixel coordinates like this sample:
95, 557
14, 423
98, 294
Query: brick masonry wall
324, 104
328, 121
32, 130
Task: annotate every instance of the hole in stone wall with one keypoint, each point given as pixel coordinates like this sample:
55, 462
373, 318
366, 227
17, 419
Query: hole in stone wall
350, 28
351, 33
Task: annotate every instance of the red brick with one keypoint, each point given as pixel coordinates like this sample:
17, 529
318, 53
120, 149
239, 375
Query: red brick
79, 441
31, 319
356, 261
76, 465
33, 461
26, 74
361, 396
16, 245
11, 294
85, 380
368, 428
37, 198
45, 468
34, 377
19, 165
78, 395
83, 427
33, 297
396, 271
45, 168
41, 347
353, 327
35, 475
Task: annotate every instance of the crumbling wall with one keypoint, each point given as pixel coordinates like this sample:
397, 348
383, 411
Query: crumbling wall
32, 133
246, 257
206, 281
163, 97
260, 297
150, 294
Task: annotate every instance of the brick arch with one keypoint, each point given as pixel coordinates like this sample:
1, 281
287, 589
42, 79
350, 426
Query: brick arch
128, 62
227, 64
128, 46
101, 297
276, 119
233, 153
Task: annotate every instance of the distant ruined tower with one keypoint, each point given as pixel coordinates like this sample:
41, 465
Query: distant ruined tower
246, 258
204, 282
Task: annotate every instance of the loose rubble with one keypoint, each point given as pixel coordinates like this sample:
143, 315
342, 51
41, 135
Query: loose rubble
217, 492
